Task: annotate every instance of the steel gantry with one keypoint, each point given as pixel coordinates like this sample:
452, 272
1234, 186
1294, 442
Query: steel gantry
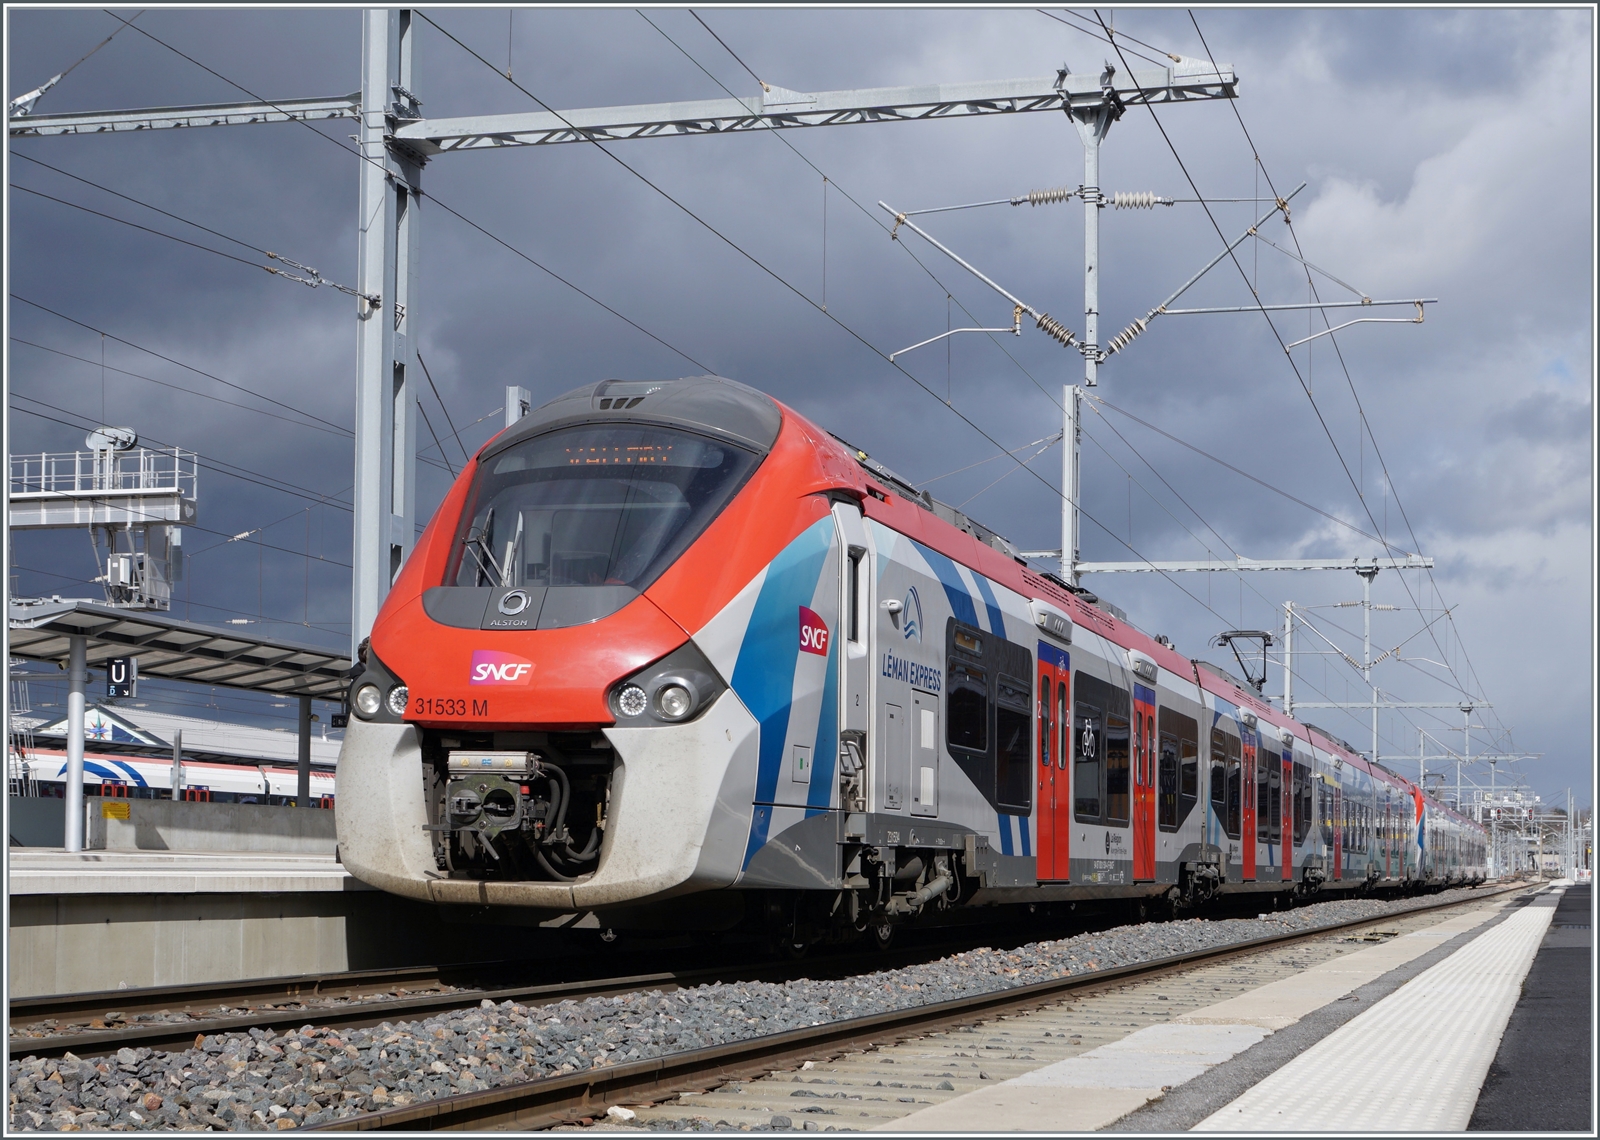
396, 141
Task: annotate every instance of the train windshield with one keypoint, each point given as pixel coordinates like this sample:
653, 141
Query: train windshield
593, 505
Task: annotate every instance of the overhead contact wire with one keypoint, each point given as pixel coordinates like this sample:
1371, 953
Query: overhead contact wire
830, 316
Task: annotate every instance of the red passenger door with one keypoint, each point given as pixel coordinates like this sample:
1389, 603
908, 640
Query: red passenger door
1053, 800
1144, 783
1046, 799
1247, 832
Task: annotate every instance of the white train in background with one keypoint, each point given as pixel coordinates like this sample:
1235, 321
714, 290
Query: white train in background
43, 772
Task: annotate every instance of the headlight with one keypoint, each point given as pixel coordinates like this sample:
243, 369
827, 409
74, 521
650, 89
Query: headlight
674, 690
674, 701
631, 700
398, 696
368, 700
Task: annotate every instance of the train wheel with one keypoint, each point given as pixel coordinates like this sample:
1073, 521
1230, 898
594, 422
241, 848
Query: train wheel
882, 935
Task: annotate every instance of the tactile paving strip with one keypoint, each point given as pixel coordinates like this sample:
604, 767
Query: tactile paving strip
1418, 1057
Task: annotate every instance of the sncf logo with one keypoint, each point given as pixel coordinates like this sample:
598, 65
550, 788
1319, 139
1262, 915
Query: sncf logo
490, 667
813, 633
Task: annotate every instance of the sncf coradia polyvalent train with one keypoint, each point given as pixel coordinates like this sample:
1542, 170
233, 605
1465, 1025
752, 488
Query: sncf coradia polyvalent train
672, 643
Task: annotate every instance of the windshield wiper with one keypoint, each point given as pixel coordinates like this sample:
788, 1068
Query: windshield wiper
482, 553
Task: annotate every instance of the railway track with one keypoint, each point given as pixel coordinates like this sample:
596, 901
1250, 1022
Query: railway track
585, 1094
171, 1017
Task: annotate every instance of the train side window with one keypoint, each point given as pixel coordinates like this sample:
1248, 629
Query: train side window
967, 719
1046, 725
1235, 788
1167, 783
1117, 767
1088, 736
858, 561
1219, 774
1013, 774
1149, 749
1064, 725
1186, 733
1274, 812
1264, 761
1301, 776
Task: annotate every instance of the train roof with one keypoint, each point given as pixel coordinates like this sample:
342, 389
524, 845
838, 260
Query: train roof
713, 405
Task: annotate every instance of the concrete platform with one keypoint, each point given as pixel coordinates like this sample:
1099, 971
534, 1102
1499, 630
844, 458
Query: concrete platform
1412, 1023
99, 920
41, 871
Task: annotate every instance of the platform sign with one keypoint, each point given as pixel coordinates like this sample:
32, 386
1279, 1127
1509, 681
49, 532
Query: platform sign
122, 677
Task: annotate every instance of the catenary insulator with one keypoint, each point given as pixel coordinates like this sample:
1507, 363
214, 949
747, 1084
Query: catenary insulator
1138, 200
1045, 197
1056, 330
1125, 337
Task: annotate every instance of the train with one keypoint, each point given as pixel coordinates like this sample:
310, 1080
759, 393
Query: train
669, 648
43, 772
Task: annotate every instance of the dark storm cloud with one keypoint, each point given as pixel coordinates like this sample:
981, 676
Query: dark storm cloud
1408, 125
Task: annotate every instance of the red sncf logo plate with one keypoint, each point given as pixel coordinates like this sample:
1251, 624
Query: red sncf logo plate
813, 633
490, 667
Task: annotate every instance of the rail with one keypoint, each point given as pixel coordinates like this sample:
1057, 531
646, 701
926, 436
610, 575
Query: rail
376, 996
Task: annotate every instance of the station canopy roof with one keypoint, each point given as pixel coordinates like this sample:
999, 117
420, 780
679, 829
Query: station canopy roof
176, 650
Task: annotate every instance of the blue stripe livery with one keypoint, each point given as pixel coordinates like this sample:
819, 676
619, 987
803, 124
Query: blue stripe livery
763, 677
997, 622
1144, 693
819, 794
1005, 834
954, 588
133, 773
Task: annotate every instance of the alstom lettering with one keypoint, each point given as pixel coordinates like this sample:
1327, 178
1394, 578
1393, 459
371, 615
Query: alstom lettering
915, 675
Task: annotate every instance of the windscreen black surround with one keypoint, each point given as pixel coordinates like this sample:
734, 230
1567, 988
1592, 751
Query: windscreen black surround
616, 478
593, 505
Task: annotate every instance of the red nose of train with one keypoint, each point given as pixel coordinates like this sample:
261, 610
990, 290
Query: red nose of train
583, 543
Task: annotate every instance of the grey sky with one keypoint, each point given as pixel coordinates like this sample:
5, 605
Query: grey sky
1448, 154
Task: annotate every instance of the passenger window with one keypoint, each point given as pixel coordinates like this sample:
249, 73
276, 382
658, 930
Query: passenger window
1088, 735
1302, 790
1235, 788
1149, 749
1046, 726
1167, 784
1264, 762
1219, 775
1064, 723
1274, 798
967, 723
857, 569
1013, 783
1102, 742
1117, 767
1181, 734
